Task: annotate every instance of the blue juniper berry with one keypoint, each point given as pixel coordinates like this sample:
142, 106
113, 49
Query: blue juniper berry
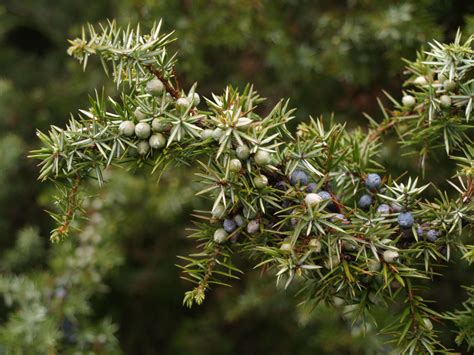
365, 201
405, 219
299, 178
373, 181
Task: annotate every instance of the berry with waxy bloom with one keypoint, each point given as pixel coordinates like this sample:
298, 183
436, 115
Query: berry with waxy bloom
390, 256
312, 199
405, 219
373, 181
408, 101
242, 152
395, 207
142, 130
260, 181
206, 133
449, 85
158, 125
298, 178
262, 157
143, 147
155, 86
365, 201
383, 209
218, 211
315, 245
182, 103
229, 225
157, 141
253, 226
139, 114
220, 235
285, 246
127, 128
239, 220
194, 98
432, 235
311, 187
420, 80
445, 101
349, 245
217, 133
235, 165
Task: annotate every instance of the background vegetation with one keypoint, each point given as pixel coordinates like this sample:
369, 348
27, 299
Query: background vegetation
113, 286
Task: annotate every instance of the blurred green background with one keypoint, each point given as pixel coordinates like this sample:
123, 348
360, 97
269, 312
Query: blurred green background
114, 287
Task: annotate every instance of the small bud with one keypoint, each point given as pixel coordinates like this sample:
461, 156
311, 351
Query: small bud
143, 147
420, 80
142, 130
315, 245
139, 115
374, 265
206, 133
285, 246
445, 101
312, 199
235, 165
262, 157
217, 133
408, 101
220, 235
182, 103
158, 125
218, 211
349, 245
449, 85
253, 226
442, 77
157, 141
239, 220
390, 256
260, 181
194, 98
155, 87
127, 128
242, 152
428, 324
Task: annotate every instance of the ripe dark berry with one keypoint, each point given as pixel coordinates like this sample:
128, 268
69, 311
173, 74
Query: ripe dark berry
405, 219
365, 202
239, 220
280, 185
383, 209
229, 225
432, 235
311, 187
299, 178
373, 181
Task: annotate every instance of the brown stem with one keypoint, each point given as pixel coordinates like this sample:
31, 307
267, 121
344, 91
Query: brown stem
170, 89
